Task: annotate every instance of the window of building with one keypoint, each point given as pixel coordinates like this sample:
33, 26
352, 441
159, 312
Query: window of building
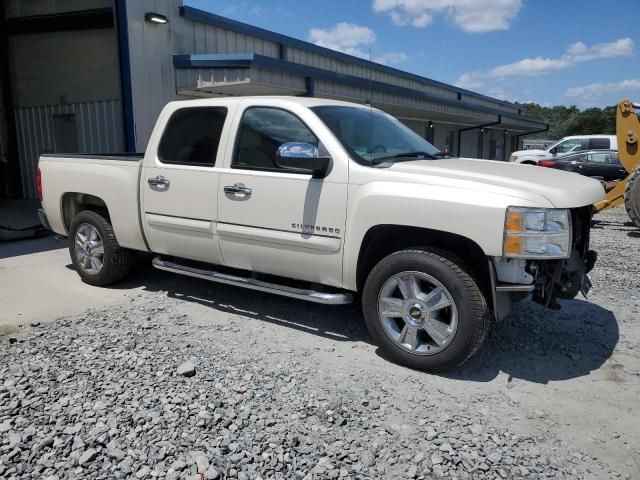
262, 130
192, 136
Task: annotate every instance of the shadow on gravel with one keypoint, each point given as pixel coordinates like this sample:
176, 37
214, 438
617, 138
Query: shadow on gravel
532, 344
339, 323
540, 345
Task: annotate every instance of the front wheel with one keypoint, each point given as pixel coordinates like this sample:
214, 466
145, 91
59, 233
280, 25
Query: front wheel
95, 252
632, 197
424, 310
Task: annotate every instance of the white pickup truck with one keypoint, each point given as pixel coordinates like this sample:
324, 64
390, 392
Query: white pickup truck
319, 200
565, 146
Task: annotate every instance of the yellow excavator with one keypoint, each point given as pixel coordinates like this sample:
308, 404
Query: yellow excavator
626, 191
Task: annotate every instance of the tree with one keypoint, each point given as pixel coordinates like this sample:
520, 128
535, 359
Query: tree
564, 121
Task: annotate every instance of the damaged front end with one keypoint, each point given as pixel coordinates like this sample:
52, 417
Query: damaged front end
565, 278
516, 275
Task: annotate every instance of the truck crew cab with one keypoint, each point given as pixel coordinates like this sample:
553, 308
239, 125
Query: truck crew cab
318, 199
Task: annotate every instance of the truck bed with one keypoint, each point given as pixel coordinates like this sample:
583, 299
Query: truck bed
112, 178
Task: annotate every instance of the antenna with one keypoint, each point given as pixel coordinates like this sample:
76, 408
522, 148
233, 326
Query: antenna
370, 102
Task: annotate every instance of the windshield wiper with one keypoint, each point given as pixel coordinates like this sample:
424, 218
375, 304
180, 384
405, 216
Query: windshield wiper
407, 155
443, 155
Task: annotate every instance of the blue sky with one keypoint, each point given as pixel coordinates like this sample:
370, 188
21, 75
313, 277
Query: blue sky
582, 52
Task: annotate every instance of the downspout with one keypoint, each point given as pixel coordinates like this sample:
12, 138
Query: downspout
474, 128
122, 29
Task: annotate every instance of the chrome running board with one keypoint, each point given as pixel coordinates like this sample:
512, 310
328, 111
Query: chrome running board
514, 287
254, 284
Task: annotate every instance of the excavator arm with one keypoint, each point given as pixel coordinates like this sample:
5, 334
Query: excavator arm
626, 191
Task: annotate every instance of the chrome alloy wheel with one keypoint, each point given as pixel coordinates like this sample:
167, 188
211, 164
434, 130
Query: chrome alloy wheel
417, 312
89, 249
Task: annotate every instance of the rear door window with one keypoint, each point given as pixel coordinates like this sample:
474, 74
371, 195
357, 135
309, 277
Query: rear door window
599, 144
192, 136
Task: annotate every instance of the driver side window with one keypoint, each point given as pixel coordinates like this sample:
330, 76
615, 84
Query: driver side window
262, 130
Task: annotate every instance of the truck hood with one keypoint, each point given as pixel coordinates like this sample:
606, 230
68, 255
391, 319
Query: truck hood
562, 189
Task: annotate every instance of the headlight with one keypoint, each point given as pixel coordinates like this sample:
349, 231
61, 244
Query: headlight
537, 233
514, 158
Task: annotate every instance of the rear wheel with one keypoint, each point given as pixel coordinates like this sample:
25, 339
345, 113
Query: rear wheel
95, 252
424, 310
632, 197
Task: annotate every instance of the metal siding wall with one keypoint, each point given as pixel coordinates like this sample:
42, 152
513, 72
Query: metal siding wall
278, 78
24, 8
320, 61
151, 50
419, 127
99, 131
469, 143
488, 103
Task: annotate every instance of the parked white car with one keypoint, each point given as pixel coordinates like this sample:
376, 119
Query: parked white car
565, 146
318, 199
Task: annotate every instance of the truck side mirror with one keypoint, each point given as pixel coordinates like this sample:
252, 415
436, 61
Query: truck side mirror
554, 150
300, 157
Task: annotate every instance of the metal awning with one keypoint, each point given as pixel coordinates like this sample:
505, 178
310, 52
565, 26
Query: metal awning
254, 74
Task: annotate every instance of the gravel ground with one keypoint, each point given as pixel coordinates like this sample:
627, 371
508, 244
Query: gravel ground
193, 380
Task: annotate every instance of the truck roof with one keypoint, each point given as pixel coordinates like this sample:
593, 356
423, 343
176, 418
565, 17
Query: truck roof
306, 101
600, 135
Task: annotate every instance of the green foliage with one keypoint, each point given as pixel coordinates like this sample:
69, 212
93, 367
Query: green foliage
564, 121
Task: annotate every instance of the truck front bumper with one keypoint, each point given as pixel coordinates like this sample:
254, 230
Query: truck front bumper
549, 280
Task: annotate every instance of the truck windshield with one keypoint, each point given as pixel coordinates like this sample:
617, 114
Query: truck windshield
372, 137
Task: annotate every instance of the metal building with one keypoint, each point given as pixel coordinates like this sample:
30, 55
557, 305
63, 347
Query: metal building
92, 75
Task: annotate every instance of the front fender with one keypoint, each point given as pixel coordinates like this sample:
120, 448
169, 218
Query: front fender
478, 216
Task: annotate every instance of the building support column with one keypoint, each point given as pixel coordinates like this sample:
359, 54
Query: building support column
519, 137
122, 27
474, 128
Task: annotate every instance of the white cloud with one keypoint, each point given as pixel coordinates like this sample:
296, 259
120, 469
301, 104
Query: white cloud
354, 40
344, 37
601, 89
576, 53
390, 58
470, 15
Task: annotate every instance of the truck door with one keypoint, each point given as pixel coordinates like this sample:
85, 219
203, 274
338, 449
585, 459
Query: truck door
179, 183
272, 220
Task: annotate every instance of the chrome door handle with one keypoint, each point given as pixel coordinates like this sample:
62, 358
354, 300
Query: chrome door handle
158, 181
238, 189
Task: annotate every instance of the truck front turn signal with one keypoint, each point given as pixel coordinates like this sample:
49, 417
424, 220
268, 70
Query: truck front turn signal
537, 233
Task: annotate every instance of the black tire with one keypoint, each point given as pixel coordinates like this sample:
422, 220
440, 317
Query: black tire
632, 197
116, 260
472, 309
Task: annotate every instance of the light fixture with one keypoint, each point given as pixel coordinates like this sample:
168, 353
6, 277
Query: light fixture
430, 124
155, 18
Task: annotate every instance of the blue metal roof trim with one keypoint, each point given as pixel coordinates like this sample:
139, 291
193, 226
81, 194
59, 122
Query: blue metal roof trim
222, 60
246, 60
202, 16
